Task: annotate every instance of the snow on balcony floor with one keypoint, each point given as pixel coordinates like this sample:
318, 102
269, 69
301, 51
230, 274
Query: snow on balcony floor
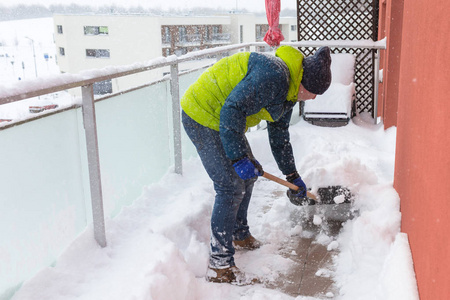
158, 247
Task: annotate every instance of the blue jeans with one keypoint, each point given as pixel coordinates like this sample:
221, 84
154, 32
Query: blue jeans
229, 215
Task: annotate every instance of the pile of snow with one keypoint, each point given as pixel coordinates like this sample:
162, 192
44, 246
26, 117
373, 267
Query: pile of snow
158, 247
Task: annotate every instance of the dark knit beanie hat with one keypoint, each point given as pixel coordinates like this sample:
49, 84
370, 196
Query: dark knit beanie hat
316, 71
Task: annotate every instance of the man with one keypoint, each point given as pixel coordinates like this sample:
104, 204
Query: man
235, 93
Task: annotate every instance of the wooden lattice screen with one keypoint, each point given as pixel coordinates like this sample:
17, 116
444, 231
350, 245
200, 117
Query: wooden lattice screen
344, 20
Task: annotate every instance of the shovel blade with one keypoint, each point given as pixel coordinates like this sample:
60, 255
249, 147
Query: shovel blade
334, 195
335, 203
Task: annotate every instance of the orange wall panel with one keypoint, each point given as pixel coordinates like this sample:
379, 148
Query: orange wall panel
392, 22
422, 169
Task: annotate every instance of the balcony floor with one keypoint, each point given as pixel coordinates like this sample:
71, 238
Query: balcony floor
313, 262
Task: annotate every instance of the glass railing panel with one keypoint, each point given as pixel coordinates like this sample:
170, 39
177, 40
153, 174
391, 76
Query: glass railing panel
42, 198
133, 137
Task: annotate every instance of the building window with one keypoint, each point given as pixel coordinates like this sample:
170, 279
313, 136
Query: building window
166, 37
216, 29
98, 53
59, 29
260, 31
62, 51
96, 30
103, 87
293, 27
182, 34
206, 34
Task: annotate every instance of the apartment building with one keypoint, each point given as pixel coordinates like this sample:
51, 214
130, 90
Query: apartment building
95, 41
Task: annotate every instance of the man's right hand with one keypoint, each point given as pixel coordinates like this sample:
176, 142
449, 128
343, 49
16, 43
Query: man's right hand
248, 168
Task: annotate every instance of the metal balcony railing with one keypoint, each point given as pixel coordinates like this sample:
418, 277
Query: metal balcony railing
85, 81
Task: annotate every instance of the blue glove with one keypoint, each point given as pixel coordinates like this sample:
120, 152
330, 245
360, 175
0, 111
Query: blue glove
298, 197
297, 180
248, 168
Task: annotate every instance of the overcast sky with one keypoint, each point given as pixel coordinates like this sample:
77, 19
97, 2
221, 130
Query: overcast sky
250, 5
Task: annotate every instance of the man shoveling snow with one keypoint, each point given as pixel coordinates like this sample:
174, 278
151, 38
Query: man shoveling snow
237, 93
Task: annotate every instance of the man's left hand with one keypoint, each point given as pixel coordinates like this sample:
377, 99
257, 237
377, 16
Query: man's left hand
297, 180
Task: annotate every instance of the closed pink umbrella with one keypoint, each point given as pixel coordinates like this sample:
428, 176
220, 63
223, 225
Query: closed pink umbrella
273, 36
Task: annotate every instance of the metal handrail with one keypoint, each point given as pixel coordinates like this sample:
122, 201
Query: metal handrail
58, 110
41, 86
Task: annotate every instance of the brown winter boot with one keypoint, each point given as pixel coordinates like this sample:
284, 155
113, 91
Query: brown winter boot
250, 243
230, 275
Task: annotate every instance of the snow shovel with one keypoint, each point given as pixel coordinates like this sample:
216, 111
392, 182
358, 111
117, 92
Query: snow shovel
334, 202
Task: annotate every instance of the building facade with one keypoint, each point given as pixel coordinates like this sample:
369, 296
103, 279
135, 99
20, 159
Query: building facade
95, 41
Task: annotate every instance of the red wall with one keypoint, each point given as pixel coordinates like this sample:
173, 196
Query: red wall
422, 168
391, 18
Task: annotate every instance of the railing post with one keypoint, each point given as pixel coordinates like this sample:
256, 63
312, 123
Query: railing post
90, 128
376, 83
176, 116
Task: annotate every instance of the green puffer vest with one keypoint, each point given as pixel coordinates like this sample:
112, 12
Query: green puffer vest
204, 99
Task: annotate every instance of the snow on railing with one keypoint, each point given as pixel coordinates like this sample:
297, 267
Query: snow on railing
366, 44
50, 84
